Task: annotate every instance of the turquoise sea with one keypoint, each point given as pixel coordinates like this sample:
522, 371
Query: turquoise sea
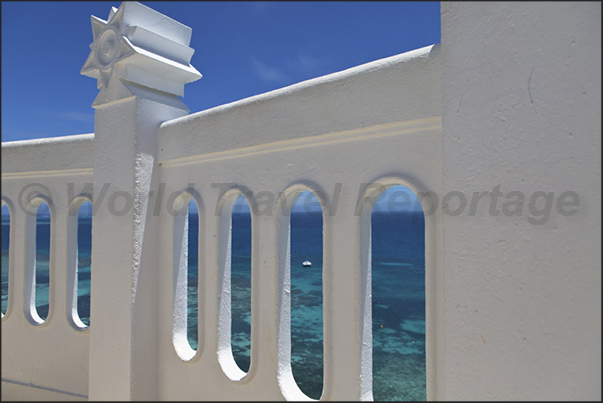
398, 265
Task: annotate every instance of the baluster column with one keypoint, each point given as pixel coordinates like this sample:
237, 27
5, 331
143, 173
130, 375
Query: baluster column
138, 91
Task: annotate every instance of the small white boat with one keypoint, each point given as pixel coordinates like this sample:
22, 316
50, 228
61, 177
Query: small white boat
306, 263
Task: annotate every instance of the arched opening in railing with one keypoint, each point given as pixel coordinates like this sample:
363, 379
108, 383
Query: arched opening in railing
234, 293
240, 279
185, 325
192, 283
398, 296
307, 294
41, 279
300, 260
5, 255
80, 232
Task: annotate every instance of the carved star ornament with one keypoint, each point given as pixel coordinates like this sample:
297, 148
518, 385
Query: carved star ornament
108, 48
139, 49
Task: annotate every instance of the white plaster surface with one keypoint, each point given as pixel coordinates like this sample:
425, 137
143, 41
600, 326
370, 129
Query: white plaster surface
379, 121
141, 46
47, 155
522, 108
511, 97
50, 360
139, 91
324, 105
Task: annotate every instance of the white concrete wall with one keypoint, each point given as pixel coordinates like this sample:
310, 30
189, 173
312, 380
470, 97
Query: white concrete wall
522, 108
46, 361
379, 122
513, 307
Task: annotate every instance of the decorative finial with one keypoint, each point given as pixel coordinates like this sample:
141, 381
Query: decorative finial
138, 46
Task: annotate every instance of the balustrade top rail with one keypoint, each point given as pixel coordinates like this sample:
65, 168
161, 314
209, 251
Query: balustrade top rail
45, 156
396, 89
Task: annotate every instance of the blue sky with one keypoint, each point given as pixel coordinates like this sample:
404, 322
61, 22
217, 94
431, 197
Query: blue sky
241, 48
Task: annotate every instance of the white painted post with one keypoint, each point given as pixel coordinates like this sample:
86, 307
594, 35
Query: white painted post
141, 59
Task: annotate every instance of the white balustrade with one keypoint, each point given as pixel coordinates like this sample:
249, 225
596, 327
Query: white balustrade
337, 136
